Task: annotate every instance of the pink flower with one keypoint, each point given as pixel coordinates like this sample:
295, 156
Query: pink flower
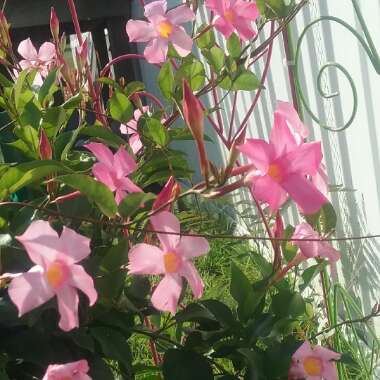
162, 27
131, 129
70, 371
173, 261
310, 249
113, 169
314, 363
234, 16
41, 60
55, 273
283, 166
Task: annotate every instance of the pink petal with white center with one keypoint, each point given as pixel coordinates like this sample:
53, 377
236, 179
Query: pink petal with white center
306, 159
193, 246
180, 15
218, 6
124, 164
75, 370
46, 52
102, 153
192, 276
146, 259
304, 193
166, 295
30, 290
103, 174
181, 41
156, 51
76, 247
27, 50
83, 281
244, 28
268, 191
224, 27
282, 139
167, 222
155, 8
140, 31
286, 113
259, 152
41, 242
68, 301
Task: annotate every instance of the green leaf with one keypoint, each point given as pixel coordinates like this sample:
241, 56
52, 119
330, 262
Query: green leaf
184, 364
207, 39
234, 46
104, 134
285, 304
133, 87
29, 136
166, 80
94, 190
48, 87
121, 109
152, 131
30, 115
246, 81
215, 57
184, 134
19, 87
133, 202
73, 102
274, 8
310, 273
220, 311
324, 220
289, 250
193, 72
113, 345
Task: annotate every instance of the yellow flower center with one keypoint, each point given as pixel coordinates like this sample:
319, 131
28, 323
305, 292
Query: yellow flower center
312, 366
165, 29
56, 274
229, 15
171, 262
274, 171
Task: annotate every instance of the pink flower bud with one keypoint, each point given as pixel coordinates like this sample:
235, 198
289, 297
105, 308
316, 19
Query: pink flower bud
44, 147
82, 54
54, 25
5, 39
194, 117
170, 191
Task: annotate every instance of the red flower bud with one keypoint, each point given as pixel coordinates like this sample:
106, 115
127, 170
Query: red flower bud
44, 147
170, 191
54, 25
194, 117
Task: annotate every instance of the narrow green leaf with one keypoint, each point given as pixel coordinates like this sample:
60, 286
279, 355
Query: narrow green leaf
166, 80
48, 87
234, 46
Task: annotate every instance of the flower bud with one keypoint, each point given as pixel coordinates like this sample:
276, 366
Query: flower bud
54, 25
5, 39
44, 147
170, 191
82, 54
194, 117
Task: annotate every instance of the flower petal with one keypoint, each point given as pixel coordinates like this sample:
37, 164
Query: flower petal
156, 51
135, 143
193, 246
41, 242
119, 196
102, 153
224, 27
155, 8
259, 152
27, 50
218, 6
127, 185
76, 247
83, 281
246, 10
304, 193
244, 28
192, 276
30, 290
146, 259
326, 354
181, 41
282, 139
103, 174
180, 15
166, 295
140, 31
286, 113
68, 301
308, 248
72, 370
166, 222
46, 52
124, 164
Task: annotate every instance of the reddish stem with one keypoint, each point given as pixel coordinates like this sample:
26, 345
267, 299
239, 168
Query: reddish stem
232, 118
153, 98
216, 103
155, 355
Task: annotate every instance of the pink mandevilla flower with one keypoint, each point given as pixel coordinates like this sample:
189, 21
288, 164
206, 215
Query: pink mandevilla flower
70, 371
310, 249
113, 169
284, 166
56, 272
173, 260
41, 60
162, 27
130, 129
234, 16
314, 363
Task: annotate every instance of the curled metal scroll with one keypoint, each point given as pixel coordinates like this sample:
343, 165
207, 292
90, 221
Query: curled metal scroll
368, 46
